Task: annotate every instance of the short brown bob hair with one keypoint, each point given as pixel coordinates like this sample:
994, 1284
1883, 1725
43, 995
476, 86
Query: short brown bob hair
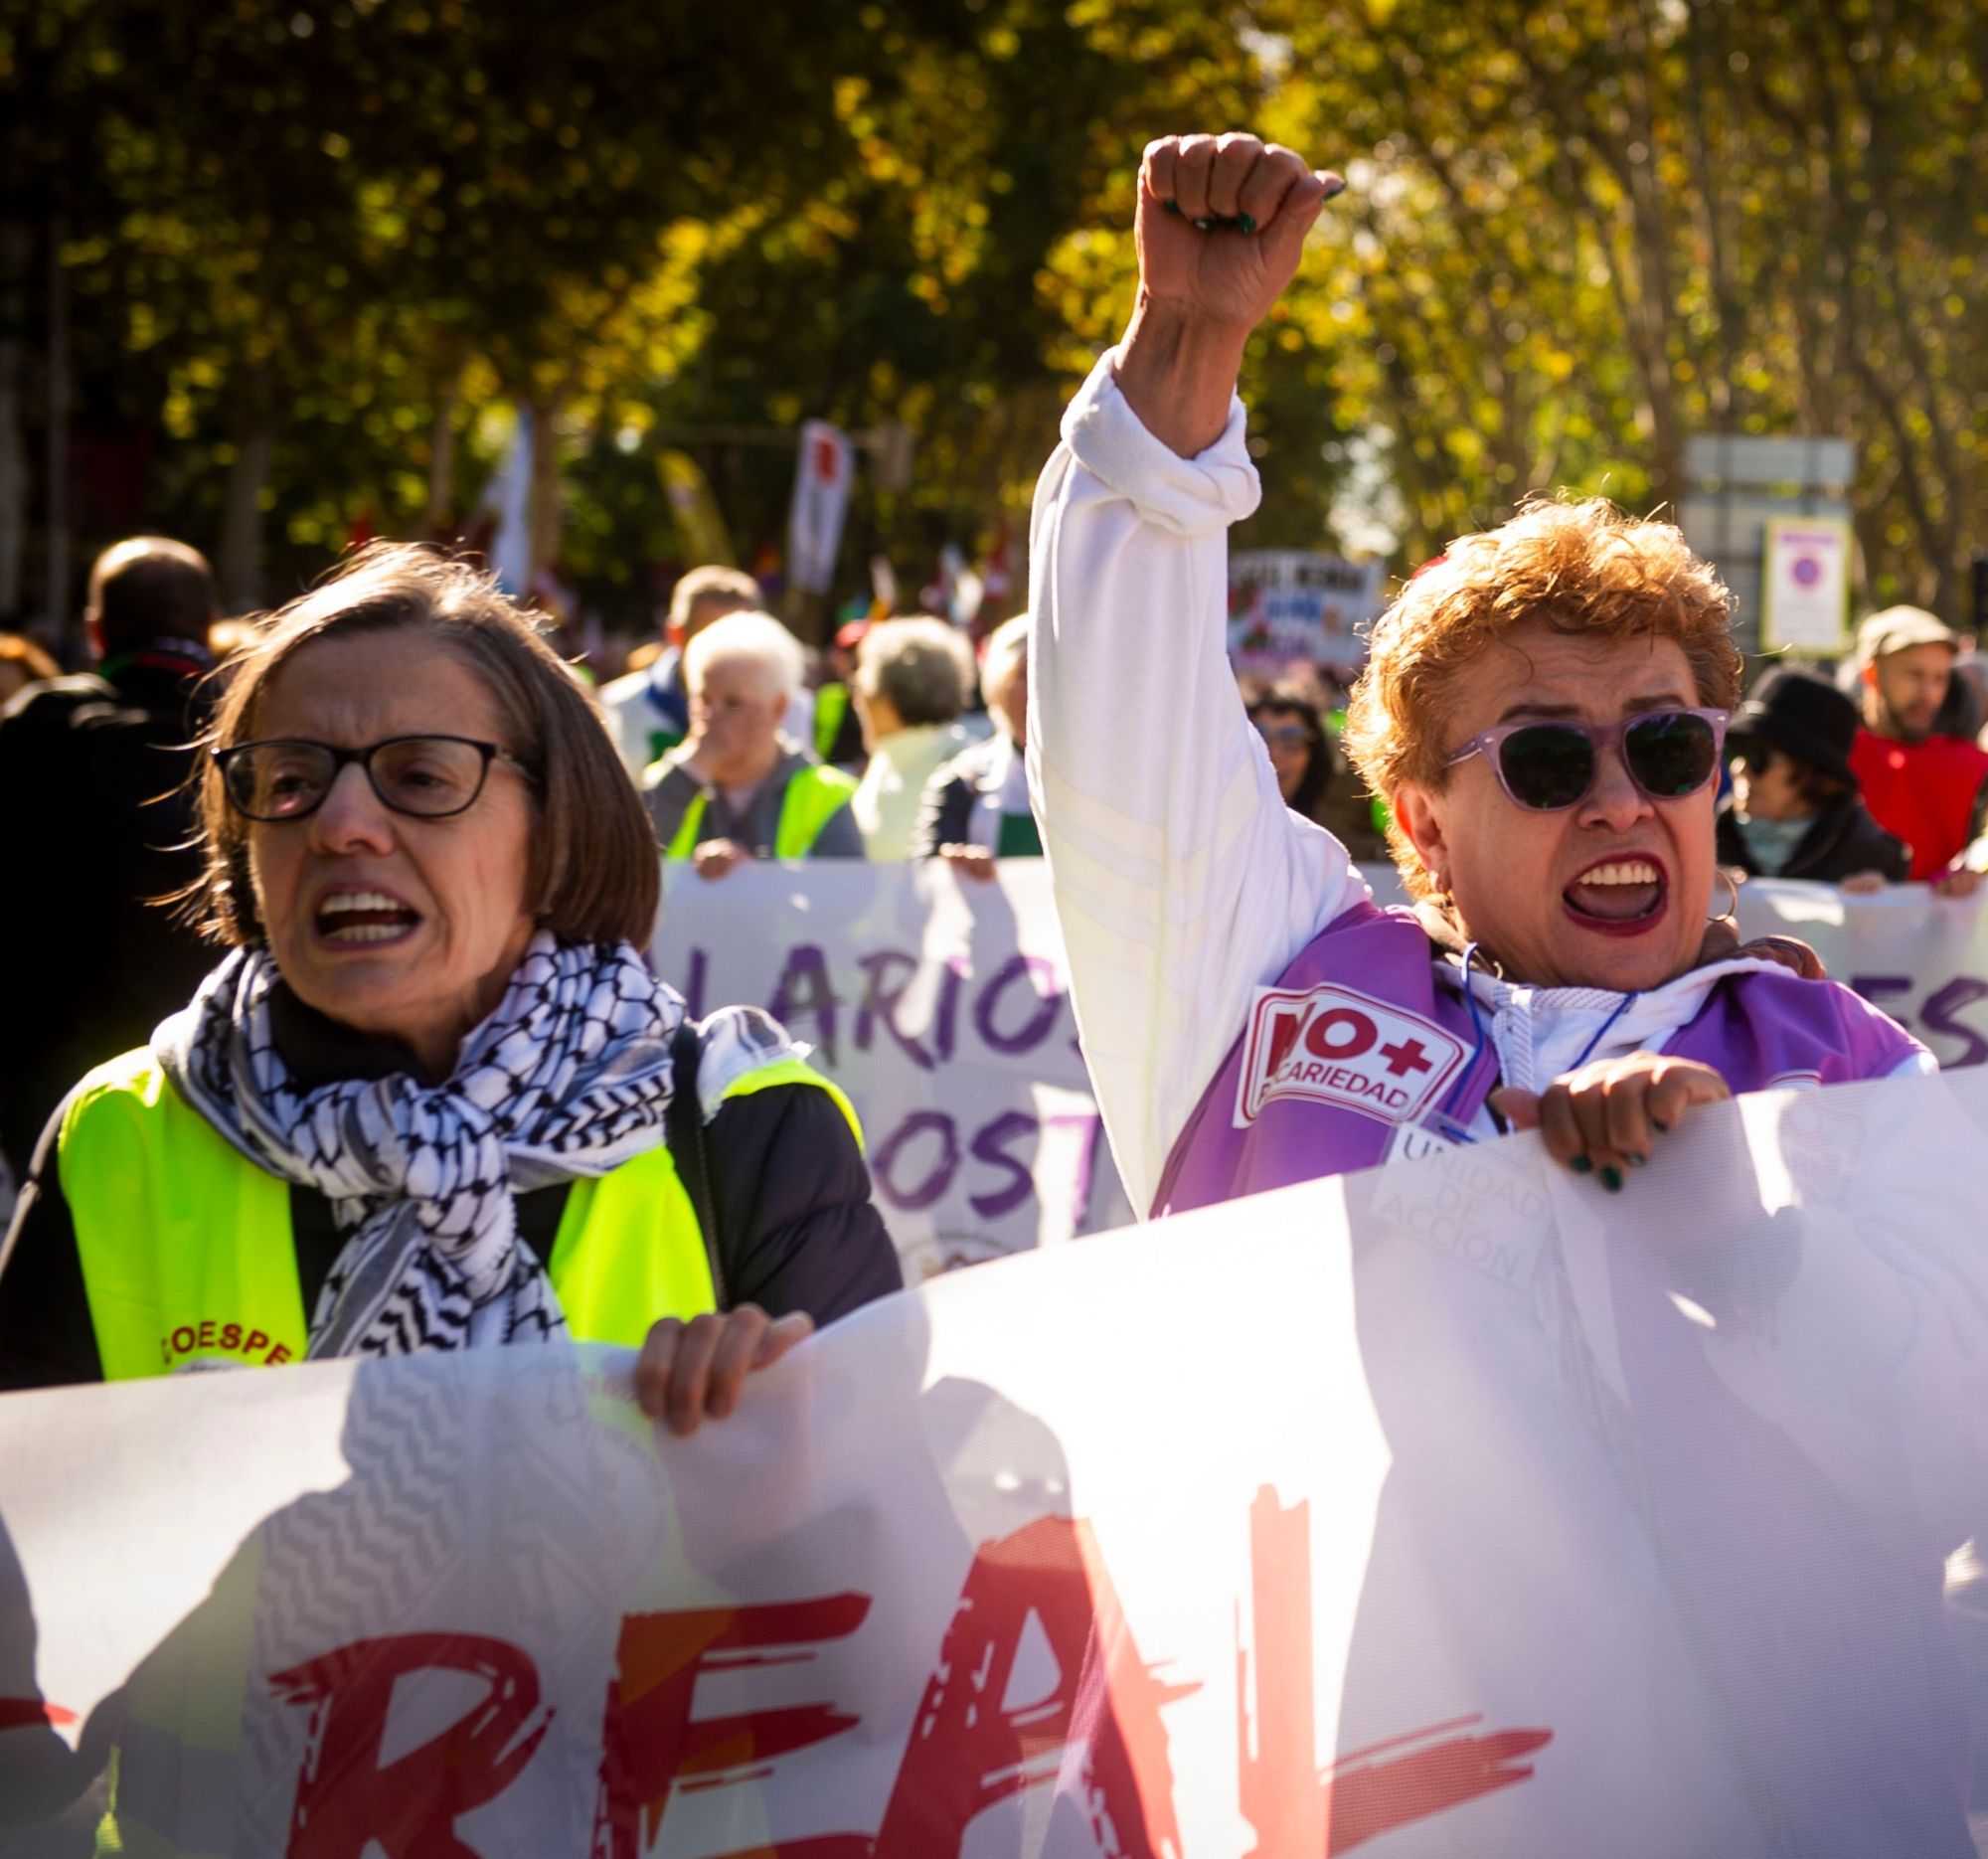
1576, 567
595, 872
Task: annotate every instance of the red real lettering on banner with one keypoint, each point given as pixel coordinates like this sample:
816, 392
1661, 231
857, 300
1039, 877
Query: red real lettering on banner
650, 1744
1297, 1811
347, 1799
1097, 1729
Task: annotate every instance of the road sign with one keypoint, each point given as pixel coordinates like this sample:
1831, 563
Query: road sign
1805, 586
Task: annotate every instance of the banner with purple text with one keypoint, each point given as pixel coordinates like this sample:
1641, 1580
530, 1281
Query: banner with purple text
942, 1007
1456, 1507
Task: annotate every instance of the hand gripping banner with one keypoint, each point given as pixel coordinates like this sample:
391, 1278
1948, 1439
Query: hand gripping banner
1457, 1507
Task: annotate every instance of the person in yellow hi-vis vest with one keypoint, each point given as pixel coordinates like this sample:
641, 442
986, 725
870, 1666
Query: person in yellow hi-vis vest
432, 1097
740, 789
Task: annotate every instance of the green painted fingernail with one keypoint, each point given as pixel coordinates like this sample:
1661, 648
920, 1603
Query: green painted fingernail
1173, 206
1611, 1179
1204, 224
1580, 1165
1246, 223
1663, 1130
1637, 1161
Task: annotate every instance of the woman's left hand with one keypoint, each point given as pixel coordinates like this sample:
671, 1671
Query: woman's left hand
1604, 1118
691, 1372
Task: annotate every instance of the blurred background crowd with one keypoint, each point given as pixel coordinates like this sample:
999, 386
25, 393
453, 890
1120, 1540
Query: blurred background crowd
735, 351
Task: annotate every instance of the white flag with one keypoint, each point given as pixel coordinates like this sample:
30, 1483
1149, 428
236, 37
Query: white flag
826, 468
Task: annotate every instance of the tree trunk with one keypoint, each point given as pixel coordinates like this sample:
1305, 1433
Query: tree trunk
62, 621
438, 518
239, 556
16, 246
545, 500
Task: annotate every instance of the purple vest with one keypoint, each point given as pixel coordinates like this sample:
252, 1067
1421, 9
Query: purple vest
1357, 1039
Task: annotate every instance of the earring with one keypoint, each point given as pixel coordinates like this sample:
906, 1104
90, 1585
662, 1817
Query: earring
1730, 914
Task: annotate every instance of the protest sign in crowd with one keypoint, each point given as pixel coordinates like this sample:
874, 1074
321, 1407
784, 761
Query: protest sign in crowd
661, 1128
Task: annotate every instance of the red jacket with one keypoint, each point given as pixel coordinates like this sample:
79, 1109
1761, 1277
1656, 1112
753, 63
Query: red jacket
1922, 793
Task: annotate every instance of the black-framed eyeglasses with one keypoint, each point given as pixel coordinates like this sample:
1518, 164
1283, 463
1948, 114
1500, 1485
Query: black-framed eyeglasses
1548, 767
1285, 735
428, 778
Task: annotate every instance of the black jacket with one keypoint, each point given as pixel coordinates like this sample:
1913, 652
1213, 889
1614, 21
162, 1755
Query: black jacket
93, 770
945, 808
1844, 841
790, 1192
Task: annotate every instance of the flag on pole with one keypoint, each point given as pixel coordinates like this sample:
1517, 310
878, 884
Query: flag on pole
827, 467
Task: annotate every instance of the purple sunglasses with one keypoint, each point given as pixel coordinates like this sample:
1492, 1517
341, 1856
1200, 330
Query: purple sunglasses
1547, 766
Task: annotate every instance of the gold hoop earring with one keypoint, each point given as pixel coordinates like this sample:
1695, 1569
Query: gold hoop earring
1730, 914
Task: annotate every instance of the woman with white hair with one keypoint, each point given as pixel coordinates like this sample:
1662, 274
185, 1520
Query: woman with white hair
976, 807
739, 789
910, 686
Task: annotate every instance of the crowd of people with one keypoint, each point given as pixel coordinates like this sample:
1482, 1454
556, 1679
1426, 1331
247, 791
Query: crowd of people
398, 1076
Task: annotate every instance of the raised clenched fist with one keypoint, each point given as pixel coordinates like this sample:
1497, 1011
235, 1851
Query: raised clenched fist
1221, 224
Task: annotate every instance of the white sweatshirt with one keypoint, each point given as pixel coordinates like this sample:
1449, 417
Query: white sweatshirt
1182, 880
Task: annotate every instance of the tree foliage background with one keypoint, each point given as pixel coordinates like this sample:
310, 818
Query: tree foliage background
278, 273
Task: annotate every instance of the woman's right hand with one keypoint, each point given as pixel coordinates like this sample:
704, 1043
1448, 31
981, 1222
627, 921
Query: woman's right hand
1225, 276
716, 857
1201, 291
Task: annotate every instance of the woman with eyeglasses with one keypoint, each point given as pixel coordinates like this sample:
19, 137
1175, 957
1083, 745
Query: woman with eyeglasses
1543, 710
1311, 777
432, 1097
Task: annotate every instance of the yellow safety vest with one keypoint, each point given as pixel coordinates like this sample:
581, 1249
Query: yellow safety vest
188, 1256
814, 796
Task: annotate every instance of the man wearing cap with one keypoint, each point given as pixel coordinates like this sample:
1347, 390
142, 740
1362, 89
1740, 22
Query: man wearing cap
1923, 789
1794, 809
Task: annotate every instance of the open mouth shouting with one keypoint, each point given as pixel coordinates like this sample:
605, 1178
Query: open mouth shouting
1622, 896
354, 917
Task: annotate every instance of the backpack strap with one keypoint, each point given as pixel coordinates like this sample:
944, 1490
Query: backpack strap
683, 1130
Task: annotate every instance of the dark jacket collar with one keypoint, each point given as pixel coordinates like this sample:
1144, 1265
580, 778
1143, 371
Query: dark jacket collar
321, 1051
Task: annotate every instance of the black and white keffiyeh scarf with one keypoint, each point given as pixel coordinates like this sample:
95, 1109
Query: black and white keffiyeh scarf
569, 1077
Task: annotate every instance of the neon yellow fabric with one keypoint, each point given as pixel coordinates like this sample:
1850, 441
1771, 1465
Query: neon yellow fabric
814, 796
628, 1253
794, 1071
831, 705
183, 1241
187, 1251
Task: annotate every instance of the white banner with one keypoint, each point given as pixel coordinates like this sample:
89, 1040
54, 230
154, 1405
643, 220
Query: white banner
942, 1007
1922, 958
1413, 1511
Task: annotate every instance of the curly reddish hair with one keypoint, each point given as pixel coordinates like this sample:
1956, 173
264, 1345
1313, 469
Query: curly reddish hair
1580, 567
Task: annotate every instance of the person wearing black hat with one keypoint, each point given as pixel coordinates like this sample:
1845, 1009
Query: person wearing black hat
1795, 810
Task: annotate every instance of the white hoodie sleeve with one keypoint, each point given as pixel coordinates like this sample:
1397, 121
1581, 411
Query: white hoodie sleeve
1181, 881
